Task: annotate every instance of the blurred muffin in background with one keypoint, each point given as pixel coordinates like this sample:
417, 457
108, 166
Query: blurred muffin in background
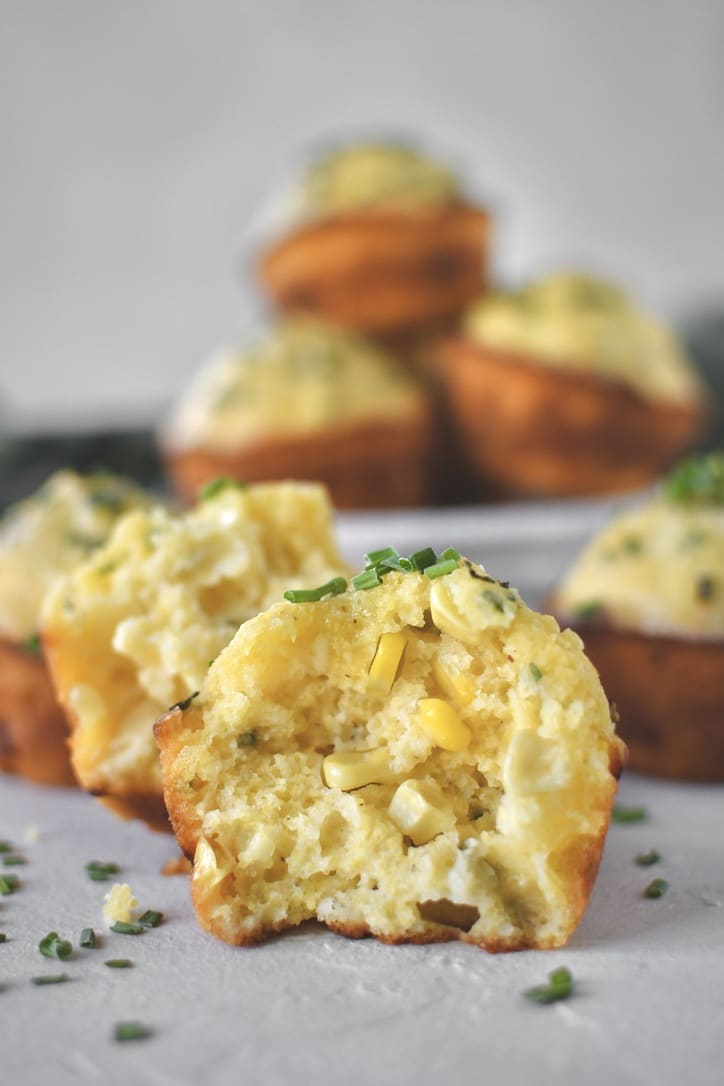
308, 401
380, 239
647, 597
42, 538
566, 387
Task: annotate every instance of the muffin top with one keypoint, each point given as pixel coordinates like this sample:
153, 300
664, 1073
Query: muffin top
49, 534
134, 628
577, 322
420, 756
303, 375
660, 568
374, 175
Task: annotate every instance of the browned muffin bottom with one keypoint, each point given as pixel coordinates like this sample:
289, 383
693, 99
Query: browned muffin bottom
537, 429
365, 464
33, 729
381, 271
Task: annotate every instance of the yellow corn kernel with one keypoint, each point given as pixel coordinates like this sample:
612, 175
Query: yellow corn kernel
415, 813
349, 769
440, 720
456, 685
446, 613
385, 662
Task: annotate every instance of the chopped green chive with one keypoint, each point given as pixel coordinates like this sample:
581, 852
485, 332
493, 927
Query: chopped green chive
88, 939
122, 927
32, 643
559, 986
5, 846
375, 558
369, 578
647, 859
421, 559
119, 963
131, 1031
3, 937
628, 814
52, 946
449, 553
14, 861
439, 569
217, 485
493, 599
8, 884
535, 671
104, 499
151, 918
587, 610
697, 479
314, 595
99, 871
656, 888
52, 978
246, 739
632, 544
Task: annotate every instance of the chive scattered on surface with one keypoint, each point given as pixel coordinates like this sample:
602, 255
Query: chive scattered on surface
99, 871
421, 559
88, 939
697, 479
8, 884
246, 739
51, 978
52, 946
559, 986
535, 671
151, 918
105, 499
314, 595
3, 937
123, 927
14, 861
131, 1031
620, 813
647, 859
656, 888
376, 558
5, 846
119, 963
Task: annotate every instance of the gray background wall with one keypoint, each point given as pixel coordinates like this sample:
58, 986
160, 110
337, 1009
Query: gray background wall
138, 139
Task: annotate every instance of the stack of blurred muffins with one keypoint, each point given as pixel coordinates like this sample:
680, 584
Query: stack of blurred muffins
393, 372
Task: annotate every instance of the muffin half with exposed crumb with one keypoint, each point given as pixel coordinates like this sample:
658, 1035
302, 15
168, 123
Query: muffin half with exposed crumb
420, 758
134, 629
566, 387
381, 240
647, 597
42, 538
311, 401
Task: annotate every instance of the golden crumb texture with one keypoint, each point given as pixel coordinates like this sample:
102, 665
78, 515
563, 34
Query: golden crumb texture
134, 629
426, 760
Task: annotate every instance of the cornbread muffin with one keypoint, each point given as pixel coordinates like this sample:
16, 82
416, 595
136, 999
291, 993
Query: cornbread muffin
307, 400
380, 239
647, 597
42, 538
425, 760
567, 387
134, 629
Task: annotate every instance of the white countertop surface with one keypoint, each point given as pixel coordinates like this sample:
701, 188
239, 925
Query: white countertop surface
311, 1006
